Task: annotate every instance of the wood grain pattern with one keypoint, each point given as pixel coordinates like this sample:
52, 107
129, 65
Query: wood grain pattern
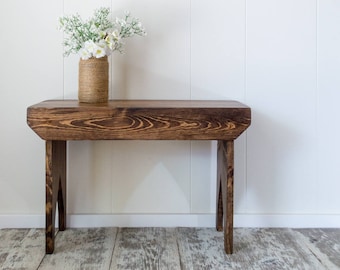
55, 189
225, 192
139, 120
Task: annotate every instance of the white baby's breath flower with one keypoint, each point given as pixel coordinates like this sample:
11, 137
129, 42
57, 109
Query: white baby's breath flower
93, 29
121, 22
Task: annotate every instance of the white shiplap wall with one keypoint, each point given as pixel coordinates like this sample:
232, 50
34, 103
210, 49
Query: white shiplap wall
279, 57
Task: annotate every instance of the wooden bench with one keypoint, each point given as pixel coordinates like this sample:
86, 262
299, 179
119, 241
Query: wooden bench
59, 121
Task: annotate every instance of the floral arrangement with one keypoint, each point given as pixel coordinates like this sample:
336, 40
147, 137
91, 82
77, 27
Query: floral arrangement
98, 36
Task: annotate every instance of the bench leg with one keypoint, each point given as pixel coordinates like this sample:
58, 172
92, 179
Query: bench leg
55, 189
225, 192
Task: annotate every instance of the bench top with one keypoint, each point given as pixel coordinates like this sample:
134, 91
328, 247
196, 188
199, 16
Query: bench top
139, 120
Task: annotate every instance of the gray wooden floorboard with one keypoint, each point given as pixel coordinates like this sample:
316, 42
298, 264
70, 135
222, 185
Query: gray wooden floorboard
81, 249
21, 249
324, 244
253, 249
146, 248
171, 248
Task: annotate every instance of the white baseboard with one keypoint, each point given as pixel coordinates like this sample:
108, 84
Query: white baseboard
170, 220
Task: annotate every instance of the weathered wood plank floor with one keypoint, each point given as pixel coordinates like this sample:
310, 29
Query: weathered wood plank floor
171, 248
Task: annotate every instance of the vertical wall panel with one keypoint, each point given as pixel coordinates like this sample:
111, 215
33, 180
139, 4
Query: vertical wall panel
153, 177
281, 89
203, 176
217, 72
217, 49
30, 71
150, 177
89, 177
157, 66
328, 107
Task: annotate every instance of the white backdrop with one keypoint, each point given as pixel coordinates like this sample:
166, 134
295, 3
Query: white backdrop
279, 57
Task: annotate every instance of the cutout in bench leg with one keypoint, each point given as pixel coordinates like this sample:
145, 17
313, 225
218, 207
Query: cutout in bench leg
219, 201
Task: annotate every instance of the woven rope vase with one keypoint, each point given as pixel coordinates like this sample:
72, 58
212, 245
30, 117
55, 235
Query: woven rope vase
93, 80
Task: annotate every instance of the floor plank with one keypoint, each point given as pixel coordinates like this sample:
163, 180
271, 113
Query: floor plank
324, 244
146, 248
21, 248
253, 249
81, 249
